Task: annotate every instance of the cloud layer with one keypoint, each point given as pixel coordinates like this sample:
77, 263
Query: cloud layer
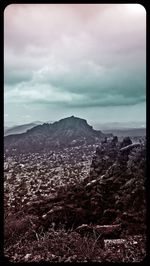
74, 55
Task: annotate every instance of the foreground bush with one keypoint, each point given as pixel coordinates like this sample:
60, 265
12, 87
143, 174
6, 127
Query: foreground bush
69, 246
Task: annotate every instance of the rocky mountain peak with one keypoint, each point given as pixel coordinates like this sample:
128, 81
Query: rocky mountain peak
67, 131
72, 122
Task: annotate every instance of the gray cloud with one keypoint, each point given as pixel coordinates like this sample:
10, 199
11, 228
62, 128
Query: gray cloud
77, 56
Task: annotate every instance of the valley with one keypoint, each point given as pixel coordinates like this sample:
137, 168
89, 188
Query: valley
79, 196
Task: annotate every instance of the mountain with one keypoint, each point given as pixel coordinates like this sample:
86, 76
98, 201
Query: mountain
19, 128
8, 124
135, 132
5, 129
65, 132
120, 125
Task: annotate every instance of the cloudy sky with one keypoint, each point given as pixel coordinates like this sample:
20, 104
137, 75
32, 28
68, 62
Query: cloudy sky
87, 60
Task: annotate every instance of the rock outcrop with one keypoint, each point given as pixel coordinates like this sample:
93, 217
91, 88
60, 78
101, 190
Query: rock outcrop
105, 156
113, 194
122, 187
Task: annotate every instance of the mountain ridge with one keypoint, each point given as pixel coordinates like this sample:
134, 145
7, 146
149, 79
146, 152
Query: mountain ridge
67, 131
19, 129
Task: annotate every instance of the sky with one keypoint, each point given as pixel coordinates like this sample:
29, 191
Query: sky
86, 60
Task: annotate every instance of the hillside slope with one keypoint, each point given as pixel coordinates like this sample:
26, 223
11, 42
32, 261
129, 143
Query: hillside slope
42, 138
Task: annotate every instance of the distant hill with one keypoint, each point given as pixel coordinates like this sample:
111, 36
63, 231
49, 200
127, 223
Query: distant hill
5, 129
131, 132
19, 128
66, 132
120, 125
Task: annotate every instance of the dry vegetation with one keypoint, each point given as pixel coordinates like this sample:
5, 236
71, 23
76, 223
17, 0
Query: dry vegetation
60, 245
28, 238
